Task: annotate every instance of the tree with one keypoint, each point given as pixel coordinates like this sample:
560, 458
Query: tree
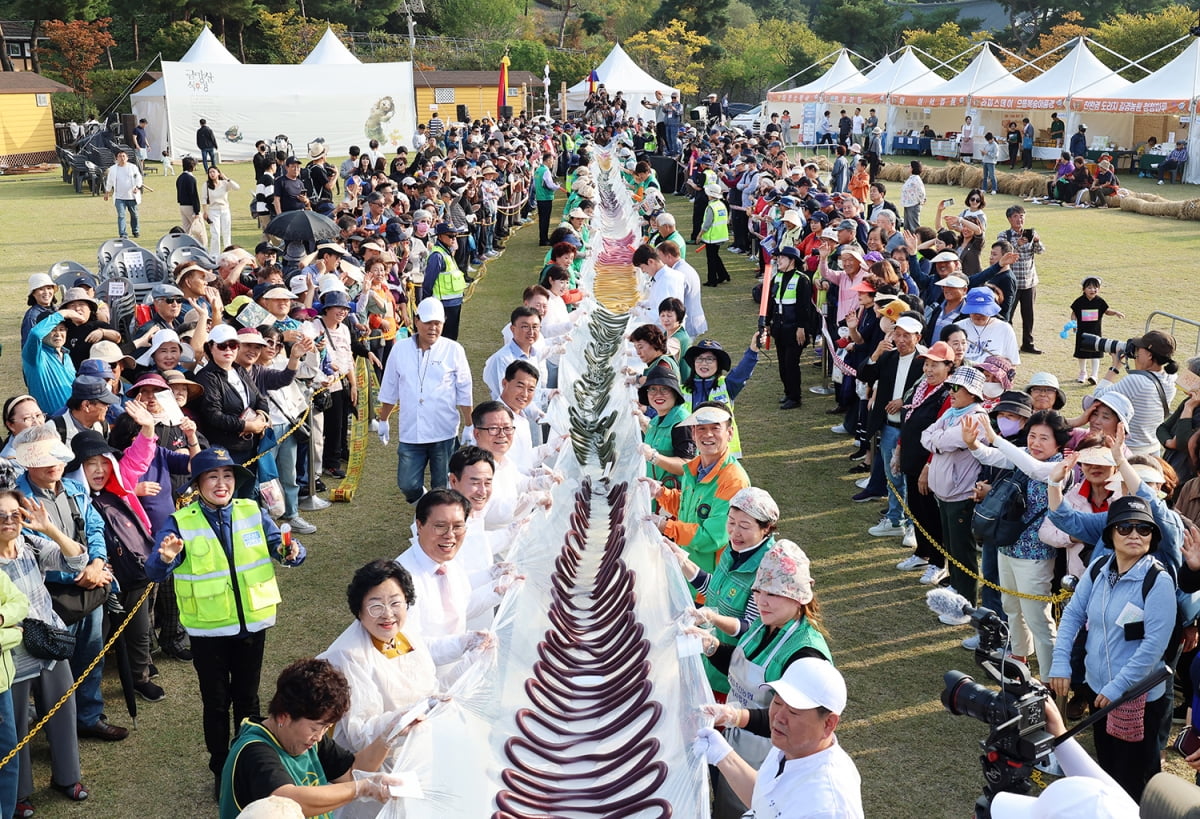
1058, 35
1136, 35
75, 50
705, 17
870, 27
760, 55
478, 19
291, 36
670, 53
945, 44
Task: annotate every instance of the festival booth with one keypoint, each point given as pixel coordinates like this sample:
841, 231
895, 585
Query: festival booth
1160, 105
944, 106
1050, 92
907, 72
243, 103
809, 98
330, 50
619, 72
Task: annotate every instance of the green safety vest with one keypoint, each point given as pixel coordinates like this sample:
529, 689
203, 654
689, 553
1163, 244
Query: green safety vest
658, 435
720, 393
710, 177
729, 591
450, 283
786, 294
541, 191
784, 644
718, 231
211, 586
305, 769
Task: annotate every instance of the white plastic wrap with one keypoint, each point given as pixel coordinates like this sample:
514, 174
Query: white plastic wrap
459, 754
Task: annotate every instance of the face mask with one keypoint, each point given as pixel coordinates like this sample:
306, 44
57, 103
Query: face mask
1008, 426
992, 390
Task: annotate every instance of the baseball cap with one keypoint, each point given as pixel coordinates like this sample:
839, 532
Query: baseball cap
431, 310
811, 682
707, 415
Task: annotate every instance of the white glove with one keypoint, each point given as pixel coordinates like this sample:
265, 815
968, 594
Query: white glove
652, 486
701, 616
657, 521
381, 429
722, 714
542, 483
480, 641
711, 746
648, 452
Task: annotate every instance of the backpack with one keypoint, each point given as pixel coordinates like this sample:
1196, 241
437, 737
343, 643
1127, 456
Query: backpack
998, 520
1156, 568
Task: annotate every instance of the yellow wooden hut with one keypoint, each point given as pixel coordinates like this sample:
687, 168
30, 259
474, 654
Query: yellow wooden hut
475, 89
26, 120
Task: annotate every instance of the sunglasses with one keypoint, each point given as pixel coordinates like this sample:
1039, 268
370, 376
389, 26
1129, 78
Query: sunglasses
172, 301
227, 345
1127, 529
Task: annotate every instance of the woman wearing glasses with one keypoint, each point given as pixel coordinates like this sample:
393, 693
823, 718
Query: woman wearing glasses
233, 413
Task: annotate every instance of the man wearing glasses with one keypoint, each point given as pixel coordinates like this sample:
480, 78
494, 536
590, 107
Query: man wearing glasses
168, 305
514, 493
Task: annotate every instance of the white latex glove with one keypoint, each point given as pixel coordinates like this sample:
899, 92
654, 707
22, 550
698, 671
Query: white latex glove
722, 713
381, 429
707, 639
498, 570
377, 786
657, 521
517, 525
652, 486
542, 483
711, 746
648, 452
480, 641
701, 616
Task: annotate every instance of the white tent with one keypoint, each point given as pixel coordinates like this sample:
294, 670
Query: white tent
907, 72
243, 103
619, 73
330, 50
841, 75
1170, 92
880, 67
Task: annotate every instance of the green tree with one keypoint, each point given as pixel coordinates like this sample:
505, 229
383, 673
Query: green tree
174, 39
870, 27
705, 17
763, 54
944, 44
1135, 35
477, 19
670, 53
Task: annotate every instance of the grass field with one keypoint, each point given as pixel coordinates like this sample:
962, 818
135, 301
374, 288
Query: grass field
915, 759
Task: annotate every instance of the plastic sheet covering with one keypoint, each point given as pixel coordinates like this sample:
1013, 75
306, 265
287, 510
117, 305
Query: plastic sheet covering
468, 755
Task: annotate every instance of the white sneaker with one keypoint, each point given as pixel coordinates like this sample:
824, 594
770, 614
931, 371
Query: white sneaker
971, 643
300, 526
885, 528
840, 429
912, 563
910, 537
861, 483
933, 575
1161, 182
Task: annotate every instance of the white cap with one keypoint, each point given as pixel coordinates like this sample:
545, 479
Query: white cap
951, 281
1073, 797
328, 282
810, 682
431, 309
222, 333
706, 415
713, 191
910, 324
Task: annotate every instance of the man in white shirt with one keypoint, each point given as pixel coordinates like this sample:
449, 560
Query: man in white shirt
124, 183
694, 320
515, 494
429, 378
665, 283
806, 772
472, 470
526, 324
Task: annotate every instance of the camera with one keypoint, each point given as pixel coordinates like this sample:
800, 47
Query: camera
1099, 344
1016, 714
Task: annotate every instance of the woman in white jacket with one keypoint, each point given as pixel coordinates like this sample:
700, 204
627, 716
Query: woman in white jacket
216, 210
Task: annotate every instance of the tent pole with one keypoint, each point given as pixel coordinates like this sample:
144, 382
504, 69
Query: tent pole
833, 54
1138, 63
125, 93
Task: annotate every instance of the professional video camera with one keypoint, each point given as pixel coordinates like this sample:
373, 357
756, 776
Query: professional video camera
1016, 714
1099, 344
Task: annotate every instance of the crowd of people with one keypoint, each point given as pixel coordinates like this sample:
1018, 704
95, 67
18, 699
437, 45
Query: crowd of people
126, 462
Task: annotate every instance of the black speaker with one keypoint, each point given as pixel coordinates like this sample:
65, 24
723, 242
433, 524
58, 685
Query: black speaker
463, 114
506, 112
666, 170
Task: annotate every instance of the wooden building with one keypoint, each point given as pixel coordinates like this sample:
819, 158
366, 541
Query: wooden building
475, 89
26, 119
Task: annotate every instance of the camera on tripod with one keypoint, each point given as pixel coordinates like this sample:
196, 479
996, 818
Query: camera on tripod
1016, 714
1099, 344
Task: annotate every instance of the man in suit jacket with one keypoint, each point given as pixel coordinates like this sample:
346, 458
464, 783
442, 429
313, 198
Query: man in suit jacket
187, 194
893, 368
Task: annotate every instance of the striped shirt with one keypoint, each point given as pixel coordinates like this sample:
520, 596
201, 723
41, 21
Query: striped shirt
1147, 407
1024, 269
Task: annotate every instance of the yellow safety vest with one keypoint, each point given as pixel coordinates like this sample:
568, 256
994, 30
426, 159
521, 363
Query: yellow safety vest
451, 283
719, 392
209, 585
718, 231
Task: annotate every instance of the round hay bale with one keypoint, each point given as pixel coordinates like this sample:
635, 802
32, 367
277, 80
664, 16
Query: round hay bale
934, 176
893, 172
953, 173
1133, 204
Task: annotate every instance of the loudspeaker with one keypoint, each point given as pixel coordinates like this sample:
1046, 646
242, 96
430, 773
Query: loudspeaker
506, 112
667, 170
463, 114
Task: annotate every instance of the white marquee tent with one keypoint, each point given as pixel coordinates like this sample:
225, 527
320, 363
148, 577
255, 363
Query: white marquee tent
881, 67
619, 72
908, 72
343, 103
330, 50
841, 75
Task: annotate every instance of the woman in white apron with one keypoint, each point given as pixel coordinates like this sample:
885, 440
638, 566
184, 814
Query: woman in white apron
788, 628
727, 592
966, 143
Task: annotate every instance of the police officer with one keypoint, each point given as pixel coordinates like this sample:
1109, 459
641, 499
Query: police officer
793, 320
700, 179
444, 280
714, 232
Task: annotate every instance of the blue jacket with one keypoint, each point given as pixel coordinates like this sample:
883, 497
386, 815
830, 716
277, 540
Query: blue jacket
93, 524
47, 375
1113, 663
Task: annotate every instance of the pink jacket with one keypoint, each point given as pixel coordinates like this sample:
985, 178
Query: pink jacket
953, 470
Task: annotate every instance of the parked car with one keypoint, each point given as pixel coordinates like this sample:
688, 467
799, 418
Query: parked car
751, 120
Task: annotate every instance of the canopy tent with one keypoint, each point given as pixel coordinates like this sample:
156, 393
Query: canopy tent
243, 103
842, 75
1169, 94
330, 50
884, 64
619, 73
907, 72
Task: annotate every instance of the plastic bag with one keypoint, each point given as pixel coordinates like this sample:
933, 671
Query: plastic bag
270, 495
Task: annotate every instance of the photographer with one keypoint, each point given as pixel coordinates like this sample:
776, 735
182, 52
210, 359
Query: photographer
1126, 602
1151, 392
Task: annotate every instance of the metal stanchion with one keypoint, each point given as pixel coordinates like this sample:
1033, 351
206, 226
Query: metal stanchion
313, 502
823, 388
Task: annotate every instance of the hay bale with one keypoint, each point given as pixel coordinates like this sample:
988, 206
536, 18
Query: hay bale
893, 172
1191, 210
953, 171
934, 176
972, 176
1133, 204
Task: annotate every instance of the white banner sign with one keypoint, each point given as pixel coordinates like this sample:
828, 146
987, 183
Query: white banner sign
343, 104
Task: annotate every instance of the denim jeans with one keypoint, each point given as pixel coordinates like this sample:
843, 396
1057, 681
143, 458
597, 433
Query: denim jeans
989, 568
285, 462
889, 436
8, 741
208, 156
131, 206
89, 639
989, 176
410, 468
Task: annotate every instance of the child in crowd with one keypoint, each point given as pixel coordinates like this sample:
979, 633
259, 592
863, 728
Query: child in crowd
1088, 312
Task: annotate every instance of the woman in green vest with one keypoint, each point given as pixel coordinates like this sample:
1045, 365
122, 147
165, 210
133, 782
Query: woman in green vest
220, 550
788, 628
290, 753
650, 345
729, 603
664, 439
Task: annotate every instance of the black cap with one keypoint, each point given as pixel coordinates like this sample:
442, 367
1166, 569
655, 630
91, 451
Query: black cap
88, 443
1016, 402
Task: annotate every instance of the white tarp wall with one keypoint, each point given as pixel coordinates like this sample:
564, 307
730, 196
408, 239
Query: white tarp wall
344, 104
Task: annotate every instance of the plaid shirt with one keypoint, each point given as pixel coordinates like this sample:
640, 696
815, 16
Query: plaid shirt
1024, 268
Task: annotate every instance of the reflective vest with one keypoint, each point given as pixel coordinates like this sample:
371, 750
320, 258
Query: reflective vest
541, 191
710, 177
785, 295
718, 231
305, 769
219, 593
719, 392
450, 283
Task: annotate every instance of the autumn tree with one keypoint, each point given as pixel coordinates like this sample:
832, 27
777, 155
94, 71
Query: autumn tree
670, 53
946, 44
75, 49
1136, 35
1047, 46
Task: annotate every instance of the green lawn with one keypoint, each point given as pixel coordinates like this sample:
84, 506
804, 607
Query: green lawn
915, 759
